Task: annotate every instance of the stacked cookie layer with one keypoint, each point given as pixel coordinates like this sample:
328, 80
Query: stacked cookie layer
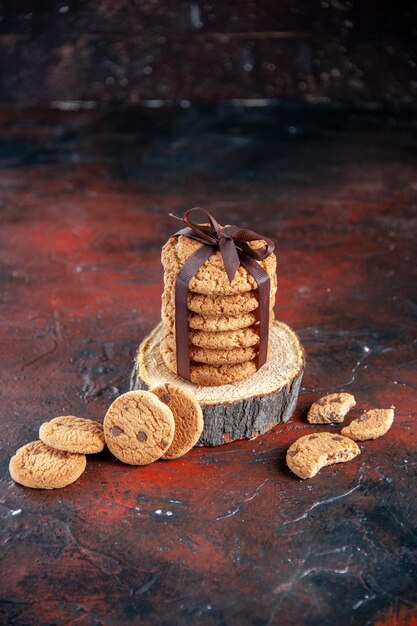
222, 315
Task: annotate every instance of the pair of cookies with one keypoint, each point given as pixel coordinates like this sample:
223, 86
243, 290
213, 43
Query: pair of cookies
308, 454
143, 426
58, 458
222, 315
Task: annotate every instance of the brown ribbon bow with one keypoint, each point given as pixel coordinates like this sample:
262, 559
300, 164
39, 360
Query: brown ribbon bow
232, 242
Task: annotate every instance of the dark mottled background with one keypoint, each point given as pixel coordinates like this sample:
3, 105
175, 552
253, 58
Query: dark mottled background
102, 132
95, 53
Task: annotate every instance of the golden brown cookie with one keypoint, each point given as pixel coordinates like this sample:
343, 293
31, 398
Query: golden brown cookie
188, 417
370, 425
38, 466
211, 323
207, 375
307, 455
219, 356
215, 306
331, 408
225, 340
73, 434
138, 428
211, 278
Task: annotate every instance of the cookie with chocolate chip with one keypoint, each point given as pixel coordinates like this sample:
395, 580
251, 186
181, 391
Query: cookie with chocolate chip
371, 425
138, 428
307, 455
331, 409
39, 466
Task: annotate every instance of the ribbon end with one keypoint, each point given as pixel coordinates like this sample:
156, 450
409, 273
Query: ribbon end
230, 257
175, 217
231, 272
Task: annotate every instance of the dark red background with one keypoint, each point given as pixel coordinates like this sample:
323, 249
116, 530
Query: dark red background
223, 536
227, 535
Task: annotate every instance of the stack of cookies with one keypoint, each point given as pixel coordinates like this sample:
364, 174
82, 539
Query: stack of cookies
222, 315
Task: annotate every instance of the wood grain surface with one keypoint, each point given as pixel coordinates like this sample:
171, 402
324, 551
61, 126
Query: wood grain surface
225, 535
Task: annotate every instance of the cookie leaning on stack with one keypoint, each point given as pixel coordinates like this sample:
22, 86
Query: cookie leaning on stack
222, 315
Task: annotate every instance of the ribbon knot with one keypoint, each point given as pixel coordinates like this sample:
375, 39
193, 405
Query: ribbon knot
231, 241
233, 244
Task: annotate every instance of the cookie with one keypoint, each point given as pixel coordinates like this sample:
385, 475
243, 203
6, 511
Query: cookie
188, 417
73, 434
211, 323
217, 306
208, 356
211, 278
38, 466
307, 455
225, 340
138, 428
212, 375
370, 425
331, 408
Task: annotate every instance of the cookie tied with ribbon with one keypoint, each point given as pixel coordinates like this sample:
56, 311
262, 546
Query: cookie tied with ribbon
237, 250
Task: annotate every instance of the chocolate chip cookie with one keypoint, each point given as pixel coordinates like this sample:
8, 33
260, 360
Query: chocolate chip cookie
371, 425
138, 428
39, 466
307, 455
331, 408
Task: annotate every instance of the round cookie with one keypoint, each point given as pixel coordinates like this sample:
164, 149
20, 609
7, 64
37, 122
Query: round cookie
210, 323
211, 278
38, 466
213, 324
371, 425
138, 428
220, 356
307, 455
217, 306
207, 375
73, 434
188, 417
225, 340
